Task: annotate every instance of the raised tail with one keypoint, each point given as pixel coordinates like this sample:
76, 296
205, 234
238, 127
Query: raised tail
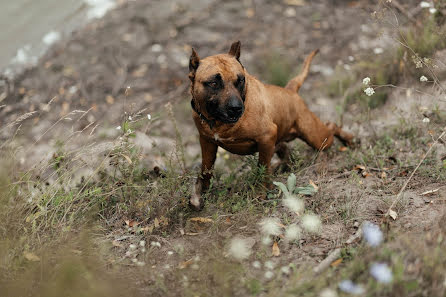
295, 83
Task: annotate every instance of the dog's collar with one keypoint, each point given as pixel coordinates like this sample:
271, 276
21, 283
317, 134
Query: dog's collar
211, 123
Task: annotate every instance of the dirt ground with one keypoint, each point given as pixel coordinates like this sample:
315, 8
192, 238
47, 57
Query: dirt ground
135, 60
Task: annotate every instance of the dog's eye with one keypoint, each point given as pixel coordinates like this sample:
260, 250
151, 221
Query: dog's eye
240, 81
212, 84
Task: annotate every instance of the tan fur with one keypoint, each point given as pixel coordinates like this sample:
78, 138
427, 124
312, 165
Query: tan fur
272, 116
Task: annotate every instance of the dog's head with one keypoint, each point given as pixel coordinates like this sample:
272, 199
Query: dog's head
218, 85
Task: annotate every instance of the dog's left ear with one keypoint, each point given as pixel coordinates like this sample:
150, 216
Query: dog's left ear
235, 50
194, 62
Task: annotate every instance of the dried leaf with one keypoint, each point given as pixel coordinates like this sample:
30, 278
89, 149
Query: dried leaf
131, 223
383, 175
275, 250
393, 214
127, 158
359, 167
314, 185
336, 262
186, 264
201, 220
109, 99
157, 223
31, 257
116, 243
343, 149
147, 229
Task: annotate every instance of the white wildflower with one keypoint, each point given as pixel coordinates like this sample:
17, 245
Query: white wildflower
432, 10
293, 232
366, 80
266, 240
269, 265
142, 243
155, 244
257, 264
129, 131
311, 223
369, 91
285, 270
294, 204
372, 234
149, 117
381, 272
143, 250
423, 78
426, 120
424, 4
269, 274
270, 226
327, 292
134, 260
170, 253
140, 263
118, 128
350, 287
378, 51
132, 247
156, 48
130, 118
239, 248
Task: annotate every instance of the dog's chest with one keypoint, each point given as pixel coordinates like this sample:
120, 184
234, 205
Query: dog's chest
240, 146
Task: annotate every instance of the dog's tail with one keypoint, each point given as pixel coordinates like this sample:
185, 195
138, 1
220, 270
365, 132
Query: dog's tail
295, 83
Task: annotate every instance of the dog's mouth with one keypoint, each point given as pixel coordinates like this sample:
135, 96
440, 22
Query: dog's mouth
229, 118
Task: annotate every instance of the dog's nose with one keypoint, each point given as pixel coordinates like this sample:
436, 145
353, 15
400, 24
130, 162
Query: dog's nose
234, 107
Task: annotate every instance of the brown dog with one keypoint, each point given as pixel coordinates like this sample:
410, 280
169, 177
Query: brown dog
234, 110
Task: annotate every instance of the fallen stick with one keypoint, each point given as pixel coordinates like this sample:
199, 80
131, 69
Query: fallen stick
335, 254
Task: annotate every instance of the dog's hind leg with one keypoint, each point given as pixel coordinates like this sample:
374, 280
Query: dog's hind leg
283, 152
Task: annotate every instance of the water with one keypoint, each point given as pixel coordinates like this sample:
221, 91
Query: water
29, 27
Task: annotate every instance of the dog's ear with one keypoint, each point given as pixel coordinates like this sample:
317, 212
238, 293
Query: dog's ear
194, 62
235, 50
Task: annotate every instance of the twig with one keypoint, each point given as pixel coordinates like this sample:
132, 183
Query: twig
324, 264
400, 193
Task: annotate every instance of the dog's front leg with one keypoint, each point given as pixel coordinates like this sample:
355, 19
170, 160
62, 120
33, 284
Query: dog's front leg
208, 155
267, 147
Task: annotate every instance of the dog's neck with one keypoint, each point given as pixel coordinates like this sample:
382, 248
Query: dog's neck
211, 123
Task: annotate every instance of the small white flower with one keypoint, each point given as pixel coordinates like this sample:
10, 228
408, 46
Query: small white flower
327, 292
170, 253
134, 260
149, 117
139, 263
311, 223
426, 120
270, 226
350, 287
294, 204
156, 48
423, 78
432, 10
269, 274
369, 91
266, 240
293, 232
239, 248
155, 244
366, 80
424, 4
372, 234
269, 265
143, 250
129, 131
130, 118
132, 247
285, 270
118, 128
142, 243
381, 272
257, 264
378, 51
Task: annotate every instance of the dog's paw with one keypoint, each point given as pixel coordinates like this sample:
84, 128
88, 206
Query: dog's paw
195, 201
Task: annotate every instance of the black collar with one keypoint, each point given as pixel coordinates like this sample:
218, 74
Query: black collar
211, 123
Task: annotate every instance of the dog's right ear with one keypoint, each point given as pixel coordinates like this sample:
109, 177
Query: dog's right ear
194, 62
